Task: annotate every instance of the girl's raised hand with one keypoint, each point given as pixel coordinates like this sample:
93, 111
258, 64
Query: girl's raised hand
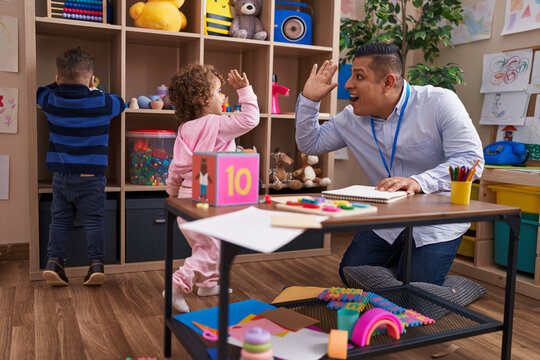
237, 81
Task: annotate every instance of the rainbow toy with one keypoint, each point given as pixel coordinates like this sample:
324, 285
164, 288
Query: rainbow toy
370, 321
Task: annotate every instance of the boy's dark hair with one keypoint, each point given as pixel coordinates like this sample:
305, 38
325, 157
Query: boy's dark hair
75, 65
190, 90
386, 59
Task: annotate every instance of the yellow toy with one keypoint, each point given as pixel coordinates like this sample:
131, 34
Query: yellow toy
159, 15
218, 18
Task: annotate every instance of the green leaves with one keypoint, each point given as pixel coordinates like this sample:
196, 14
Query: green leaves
442, 76
425, 31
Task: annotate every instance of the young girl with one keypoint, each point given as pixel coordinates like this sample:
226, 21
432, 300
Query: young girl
196, 95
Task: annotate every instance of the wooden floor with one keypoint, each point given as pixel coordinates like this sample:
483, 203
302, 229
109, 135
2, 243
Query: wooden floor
124, 317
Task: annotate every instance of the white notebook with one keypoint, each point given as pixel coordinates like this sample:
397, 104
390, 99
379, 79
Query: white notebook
361, 193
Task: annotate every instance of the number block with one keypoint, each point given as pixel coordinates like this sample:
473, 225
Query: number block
225, 178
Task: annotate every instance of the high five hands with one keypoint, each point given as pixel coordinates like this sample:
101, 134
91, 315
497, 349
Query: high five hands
319, 84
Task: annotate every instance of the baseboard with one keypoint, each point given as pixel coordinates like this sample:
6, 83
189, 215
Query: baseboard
17, 251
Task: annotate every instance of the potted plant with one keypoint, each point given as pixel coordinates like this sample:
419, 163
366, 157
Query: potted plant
388, 21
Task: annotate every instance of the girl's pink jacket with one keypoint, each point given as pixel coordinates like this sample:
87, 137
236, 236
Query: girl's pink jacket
209, 133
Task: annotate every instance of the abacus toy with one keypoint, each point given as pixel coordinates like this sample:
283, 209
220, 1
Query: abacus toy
86, 10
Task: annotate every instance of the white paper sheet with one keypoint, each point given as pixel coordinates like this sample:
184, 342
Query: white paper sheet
249, 228
528, 133
476, 24
535, 76
9, 103
504, 108
9, 43
521, 15
507, 71
304, 344
4, 177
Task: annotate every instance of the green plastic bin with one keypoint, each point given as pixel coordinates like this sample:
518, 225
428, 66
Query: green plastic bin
527, 242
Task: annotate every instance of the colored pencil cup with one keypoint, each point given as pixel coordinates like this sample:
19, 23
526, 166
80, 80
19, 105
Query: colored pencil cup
460, 192
346, 319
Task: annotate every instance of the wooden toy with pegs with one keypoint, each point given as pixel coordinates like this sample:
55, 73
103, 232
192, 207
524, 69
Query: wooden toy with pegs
321, 206
86, 10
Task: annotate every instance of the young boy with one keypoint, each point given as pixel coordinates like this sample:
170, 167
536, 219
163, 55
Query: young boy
79, 120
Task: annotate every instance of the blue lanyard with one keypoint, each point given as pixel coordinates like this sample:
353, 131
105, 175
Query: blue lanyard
395, 136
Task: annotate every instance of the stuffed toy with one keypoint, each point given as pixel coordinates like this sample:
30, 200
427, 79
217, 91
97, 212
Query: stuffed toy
159, 15
279, 176
246, 23
309, 175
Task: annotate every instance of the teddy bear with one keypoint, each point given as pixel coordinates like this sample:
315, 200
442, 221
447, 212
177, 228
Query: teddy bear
309, 175
246, 23
279, 176
159, 15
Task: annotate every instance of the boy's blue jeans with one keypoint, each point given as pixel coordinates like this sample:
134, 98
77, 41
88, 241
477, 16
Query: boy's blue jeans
429, 263
74, 193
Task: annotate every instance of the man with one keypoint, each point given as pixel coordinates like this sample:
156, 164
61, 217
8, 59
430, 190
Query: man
404, 138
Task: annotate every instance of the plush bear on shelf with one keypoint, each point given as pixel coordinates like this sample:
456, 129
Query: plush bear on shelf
279, 175
246, 23
159, 15
309, 175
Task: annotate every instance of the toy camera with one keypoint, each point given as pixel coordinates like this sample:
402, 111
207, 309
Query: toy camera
292, 26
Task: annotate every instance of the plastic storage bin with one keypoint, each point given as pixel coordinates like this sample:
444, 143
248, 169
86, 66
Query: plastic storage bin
525, 197
466, 248
146, 229
76, 248
527, 242
474, 196
150, 153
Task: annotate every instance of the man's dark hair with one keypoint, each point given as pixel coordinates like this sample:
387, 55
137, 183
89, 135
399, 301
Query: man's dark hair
75, 65
386, 59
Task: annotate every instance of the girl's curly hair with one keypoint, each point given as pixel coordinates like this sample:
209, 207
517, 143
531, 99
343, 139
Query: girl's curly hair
190, 90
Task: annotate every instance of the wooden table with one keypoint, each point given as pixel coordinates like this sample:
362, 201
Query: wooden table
417, 210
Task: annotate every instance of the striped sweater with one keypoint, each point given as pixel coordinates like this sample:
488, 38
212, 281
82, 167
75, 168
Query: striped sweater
79, 121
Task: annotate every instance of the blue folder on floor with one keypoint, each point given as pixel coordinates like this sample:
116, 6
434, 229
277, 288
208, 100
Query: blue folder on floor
210, 317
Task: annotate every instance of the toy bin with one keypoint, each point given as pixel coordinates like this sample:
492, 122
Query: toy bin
474, 196
150, 153
525, 197
76, 245
146, 229
527, 242
466, 248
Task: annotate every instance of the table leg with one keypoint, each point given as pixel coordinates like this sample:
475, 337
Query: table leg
228, 252
407, 255
514, 221
171, 219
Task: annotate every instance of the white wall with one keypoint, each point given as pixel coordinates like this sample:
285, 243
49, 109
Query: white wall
14, 212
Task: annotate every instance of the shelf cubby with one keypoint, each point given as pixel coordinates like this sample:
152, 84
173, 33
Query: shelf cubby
132, 61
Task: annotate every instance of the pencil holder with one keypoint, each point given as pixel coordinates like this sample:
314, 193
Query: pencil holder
346, 319
460, 192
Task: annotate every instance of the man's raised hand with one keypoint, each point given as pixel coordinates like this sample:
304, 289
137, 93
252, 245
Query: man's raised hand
319, 84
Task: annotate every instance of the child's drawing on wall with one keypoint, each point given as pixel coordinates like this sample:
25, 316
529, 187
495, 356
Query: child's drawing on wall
8, 110
495, 107
504, 72
9, 39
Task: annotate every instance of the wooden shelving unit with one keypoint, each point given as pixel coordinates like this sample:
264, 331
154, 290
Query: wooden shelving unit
133, 61
483, 266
